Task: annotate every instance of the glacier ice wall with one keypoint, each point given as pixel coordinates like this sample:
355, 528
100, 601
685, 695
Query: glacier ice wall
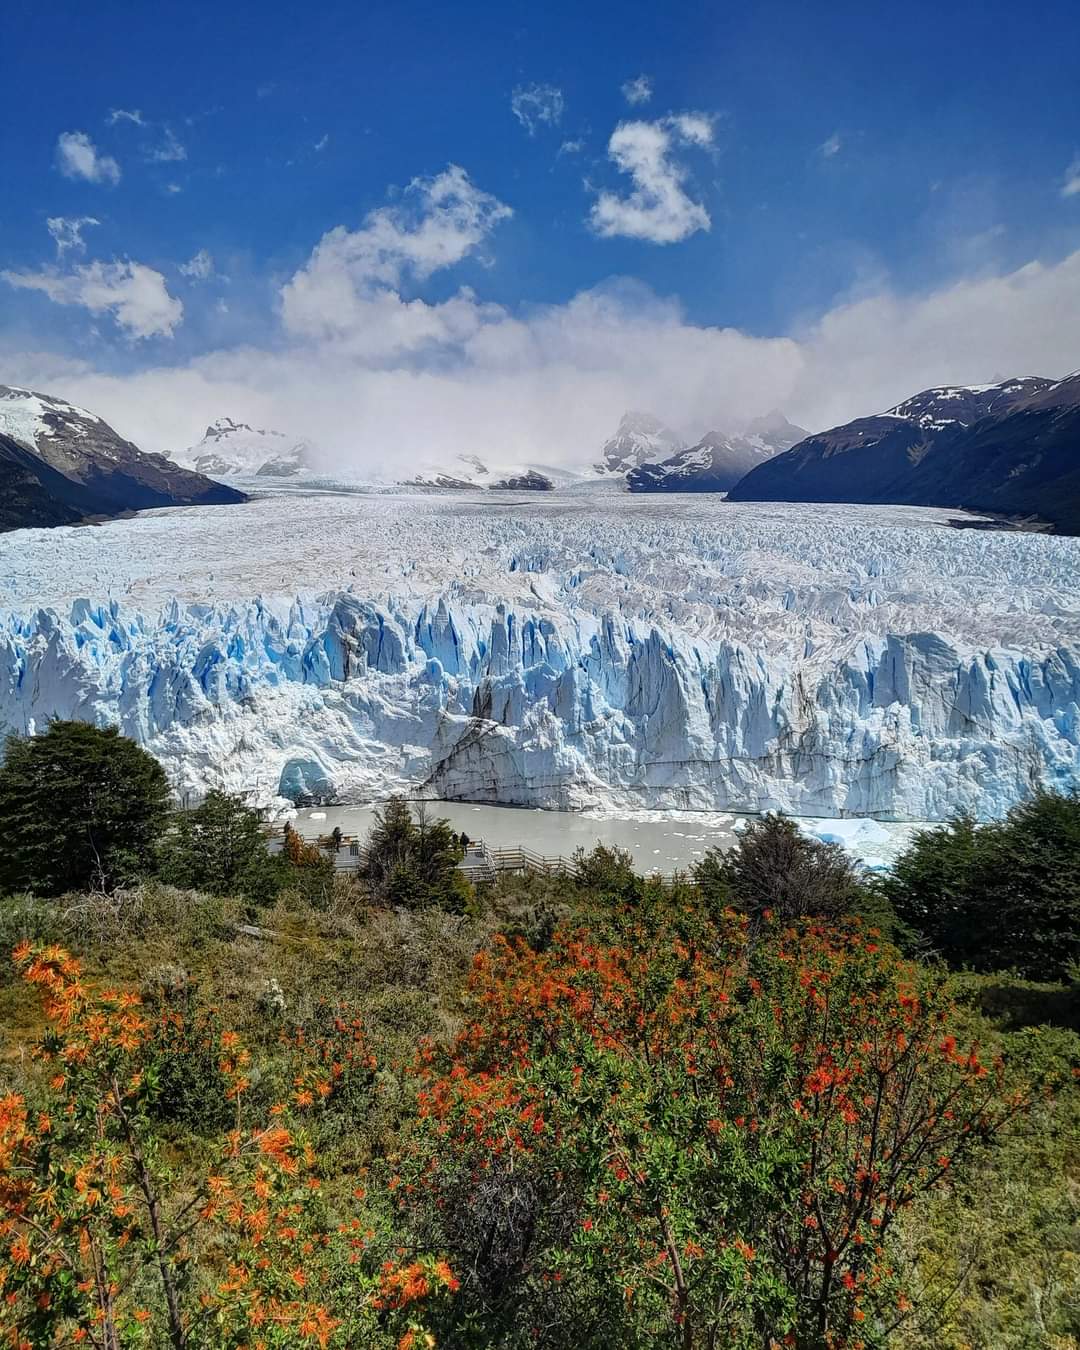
856, 663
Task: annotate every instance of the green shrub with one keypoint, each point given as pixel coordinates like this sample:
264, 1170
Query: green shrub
775, 869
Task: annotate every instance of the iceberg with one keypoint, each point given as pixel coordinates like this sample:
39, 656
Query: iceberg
615, 653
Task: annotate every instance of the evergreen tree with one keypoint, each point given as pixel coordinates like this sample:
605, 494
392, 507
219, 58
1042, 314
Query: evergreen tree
219, 847
999, 896
413, 862
81, 807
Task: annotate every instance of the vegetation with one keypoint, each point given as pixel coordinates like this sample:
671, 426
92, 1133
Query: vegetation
220, 847
251, 1102
81, 808
412, 859
777, 871
999, 896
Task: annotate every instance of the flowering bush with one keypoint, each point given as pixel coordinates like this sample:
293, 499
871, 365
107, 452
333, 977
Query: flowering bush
102, 1244
678, 1136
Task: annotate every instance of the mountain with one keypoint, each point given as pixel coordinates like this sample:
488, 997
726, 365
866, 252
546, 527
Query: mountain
235, 449
717, 462
63, 464
640, 439
33, 494
1011, 448
469, 473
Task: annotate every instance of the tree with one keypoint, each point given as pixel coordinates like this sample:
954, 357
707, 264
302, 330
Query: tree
774, 868
81, 808
608, 871
412, 860
1004, 895
219, 847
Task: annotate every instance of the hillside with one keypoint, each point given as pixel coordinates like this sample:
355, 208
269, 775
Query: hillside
68, 464
1011, 448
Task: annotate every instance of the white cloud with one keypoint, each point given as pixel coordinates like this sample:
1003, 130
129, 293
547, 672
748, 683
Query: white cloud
381, 380
322, 142
170, 151
571, 148
67, 232
549, 386
78, 157
200, 267
135, 295
125, 115
350, 281
1071, 185
658, 209
828, 148
535, 105
638, 90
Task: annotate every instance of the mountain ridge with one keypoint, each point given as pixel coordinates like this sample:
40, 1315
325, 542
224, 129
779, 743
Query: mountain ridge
1012, 448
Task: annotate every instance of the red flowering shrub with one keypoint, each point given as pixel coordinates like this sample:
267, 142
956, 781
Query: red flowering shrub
102, 1245
673, 1136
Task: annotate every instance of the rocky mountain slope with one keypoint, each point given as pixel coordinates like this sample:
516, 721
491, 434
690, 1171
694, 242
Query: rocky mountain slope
718, 461
1011, 448
234, 449
64, 464
641, 438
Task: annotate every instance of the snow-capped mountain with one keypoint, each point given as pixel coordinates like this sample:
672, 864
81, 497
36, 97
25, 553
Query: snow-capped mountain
235, 449
641, 438
470, 473
616, 652
717, 461
1010, 447
63, 464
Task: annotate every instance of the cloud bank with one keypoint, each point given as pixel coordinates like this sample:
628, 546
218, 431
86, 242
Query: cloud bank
548, 385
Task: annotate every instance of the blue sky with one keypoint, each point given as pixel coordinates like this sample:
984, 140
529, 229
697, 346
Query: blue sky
693, 169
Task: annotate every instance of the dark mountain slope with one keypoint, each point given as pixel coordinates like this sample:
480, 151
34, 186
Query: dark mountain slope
74, 462
1012, 448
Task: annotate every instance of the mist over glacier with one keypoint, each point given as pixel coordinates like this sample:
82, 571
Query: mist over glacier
569, 652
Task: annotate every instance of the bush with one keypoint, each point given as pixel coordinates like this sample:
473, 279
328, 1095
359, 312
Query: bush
219, 847
776, 869
654, 1141
998, 896
608, 871
81, 808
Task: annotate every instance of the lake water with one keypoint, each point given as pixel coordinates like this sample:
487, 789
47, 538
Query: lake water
658, 841
656, 844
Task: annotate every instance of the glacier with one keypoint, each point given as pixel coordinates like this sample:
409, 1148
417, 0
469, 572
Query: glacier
606, 652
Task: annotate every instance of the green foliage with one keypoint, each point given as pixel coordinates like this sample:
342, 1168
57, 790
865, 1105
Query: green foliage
81, 808
219, 847
775, 869
999, 896
412, 859
662, 1141
607, 871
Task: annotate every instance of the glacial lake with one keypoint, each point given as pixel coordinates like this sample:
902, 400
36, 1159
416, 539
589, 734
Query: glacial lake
658, 841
